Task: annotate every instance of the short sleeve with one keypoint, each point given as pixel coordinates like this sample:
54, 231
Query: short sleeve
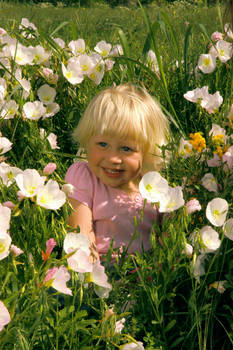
80, 176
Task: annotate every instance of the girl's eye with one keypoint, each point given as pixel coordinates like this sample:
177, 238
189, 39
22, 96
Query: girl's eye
102, 144
127, 149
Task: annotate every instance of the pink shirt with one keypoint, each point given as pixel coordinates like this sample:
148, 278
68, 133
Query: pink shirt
113, 211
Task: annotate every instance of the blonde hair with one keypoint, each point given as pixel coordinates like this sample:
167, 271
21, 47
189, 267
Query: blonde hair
130, 113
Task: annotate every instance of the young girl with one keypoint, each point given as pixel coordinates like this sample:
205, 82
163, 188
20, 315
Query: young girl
121, 131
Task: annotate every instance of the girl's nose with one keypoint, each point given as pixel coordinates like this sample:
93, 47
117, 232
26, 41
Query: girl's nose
115, 158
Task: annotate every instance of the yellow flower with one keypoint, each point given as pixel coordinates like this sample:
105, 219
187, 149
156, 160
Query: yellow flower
197, 141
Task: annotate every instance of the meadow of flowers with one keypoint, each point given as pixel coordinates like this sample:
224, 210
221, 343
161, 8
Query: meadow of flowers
179, 294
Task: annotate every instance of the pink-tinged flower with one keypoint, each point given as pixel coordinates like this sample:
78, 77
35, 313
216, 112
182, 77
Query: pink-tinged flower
197, 94
216, 36
207, 63
20, 196
49, 168
9, 204
228, 229
209, 182
40, 55
21, 54
117, 50
219, 286
51, 110
228, 158
52, 138
5, 243
135, 346
9, 109
49, 75
50, 196
5, 216
57, 278
4, 316
109, 64
50, 244
214, 162
210, 239
16, 251
67, 188
8, 173
216, 211
192, 206
119, 325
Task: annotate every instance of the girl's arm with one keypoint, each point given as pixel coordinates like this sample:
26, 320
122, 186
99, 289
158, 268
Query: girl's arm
82, 217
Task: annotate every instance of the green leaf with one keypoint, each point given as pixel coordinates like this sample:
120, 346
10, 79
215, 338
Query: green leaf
170, 325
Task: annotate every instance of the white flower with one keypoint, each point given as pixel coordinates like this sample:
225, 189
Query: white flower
5, 145
9, 109
29, 182
26, 85
152, 61
228, 229
77, 47
46, 94
8, 173
74, 241
23, 55
72, 73
228, 31
197, 94
210, 239
207, 63
135, 346
102, 292
224, 50
97, 71
51, 110
3, 89
80, 262
209, 182
39, 54
98, 276
152, 186
212, 102
198, 267
188, 250
219, 286
4, 316
216, 211
26, 24
216, 130
86, 63
60, 42
103, 48
68, 188
117, 50
185, 148
5, 242
34, 110
172, 200
50, 196
5, 216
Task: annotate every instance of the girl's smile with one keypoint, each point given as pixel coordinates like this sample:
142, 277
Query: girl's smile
117, 163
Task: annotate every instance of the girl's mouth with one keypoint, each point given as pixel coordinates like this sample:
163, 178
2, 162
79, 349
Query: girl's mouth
113, 172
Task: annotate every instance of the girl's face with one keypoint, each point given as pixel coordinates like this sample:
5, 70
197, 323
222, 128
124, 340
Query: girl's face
117, 163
